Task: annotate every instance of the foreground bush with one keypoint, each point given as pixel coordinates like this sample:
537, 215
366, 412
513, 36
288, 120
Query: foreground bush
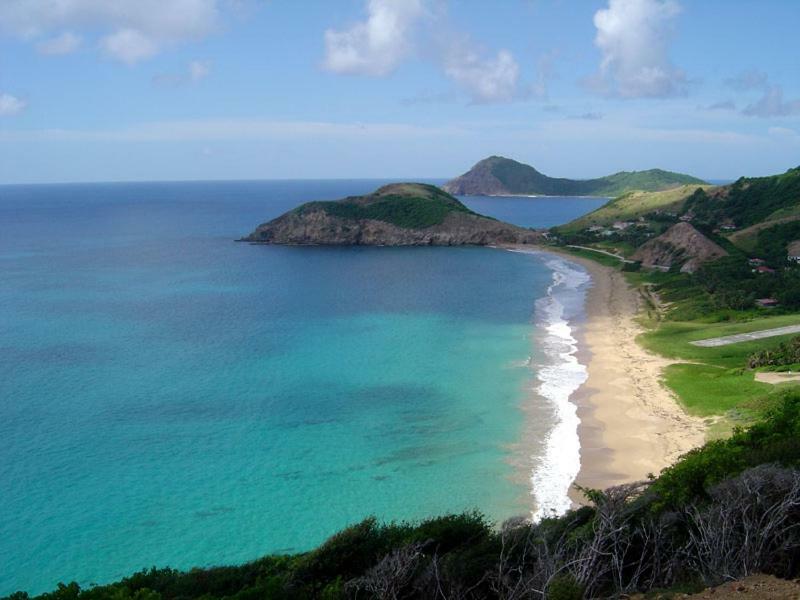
723, 512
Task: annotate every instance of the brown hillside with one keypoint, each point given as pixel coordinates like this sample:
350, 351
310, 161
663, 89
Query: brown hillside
680, 244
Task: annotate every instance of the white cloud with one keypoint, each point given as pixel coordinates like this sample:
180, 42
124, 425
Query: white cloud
130, 30
390, 34
486, 79
772, 104
10, 105
129, 45
633, 36
65, 43
377, 45
199, 70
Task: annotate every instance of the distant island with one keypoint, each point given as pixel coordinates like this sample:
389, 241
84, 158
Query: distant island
499, 176
399, 214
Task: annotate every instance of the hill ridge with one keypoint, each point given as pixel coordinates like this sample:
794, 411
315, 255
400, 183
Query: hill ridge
498, 175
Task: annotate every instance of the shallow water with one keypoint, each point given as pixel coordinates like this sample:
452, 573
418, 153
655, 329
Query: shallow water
170, 397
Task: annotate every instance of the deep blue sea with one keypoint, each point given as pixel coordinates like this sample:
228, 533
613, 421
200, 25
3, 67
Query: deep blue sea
170, 397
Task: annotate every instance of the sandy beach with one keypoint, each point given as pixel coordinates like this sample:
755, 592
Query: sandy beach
631, 425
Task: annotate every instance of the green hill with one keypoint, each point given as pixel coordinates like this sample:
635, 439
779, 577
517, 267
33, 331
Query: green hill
633, 205
497, 176
409, 205
749, 200
399, 214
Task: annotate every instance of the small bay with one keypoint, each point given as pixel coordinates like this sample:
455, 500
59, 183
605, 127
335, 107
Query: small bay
171, 397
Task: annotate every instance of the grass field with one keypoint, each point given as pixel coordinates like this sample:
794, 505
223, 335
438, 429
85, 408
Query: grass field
706, 390
671, 339
714, 381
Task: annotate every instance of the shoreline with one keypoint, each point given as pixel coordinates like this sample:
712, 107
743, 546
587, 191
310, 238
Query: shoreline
630, 425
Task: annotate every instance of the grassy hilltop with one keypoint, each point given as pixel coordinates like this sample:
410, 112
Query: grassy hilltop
632, 205
408, 205
399, 214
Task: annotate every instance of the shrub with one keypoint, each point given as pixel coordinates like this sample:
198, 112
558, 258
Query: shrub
774, 440
564, 587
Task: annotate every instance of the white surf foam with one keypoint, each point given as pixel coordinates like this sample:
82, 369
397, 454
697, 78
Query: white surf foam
559, 375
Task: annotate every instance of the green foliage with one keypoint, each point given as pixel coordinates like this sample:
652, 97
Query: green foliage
564, 587
774, 440
349, 552
451, 531
412, 206
632, 267
659, 210
771, 242
398, 210
787, 353
747, 201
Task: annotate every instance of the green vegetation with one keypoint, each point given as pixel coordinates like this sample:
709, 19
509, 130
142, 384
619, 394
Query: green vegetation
412, 206
519, 178
708, 390
721, 297
715, 302
784, 355
632, 205
671, 339
723, 511
775, 440
748, 201
716, 381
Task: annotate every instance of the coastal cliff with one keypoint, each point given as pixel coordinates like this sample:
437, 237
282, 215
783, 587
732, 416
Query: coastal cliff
401, 214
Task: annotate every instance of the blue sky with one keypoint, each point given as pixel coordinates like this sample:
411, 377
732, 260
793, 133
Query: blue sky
99, 90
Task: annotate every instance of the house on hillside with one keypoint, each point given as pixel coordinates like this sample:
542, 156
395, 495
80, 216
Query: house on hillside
621, 225
763, 269
767, 302
793, 251
756, 262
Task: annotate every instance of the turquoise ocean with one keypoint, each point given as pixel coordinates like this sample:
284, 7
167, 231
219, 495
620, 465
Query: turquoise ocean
170, 397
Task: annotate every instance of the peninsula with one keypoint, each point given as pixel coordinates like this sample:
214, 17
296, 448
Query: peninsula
499, 176
399, 214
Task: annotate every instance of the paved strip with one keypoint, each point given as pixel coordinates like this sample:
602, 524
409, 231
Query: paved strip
617, 256
746, 337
